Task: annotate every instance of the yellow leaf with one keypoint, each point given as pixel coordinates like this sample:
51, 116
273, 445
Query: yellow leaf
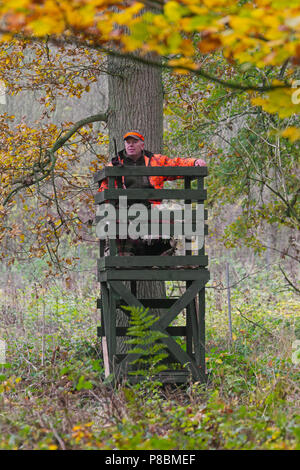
243, 24
292, 133
173, 11
280, 101
125, 17
47, 25
182, 62
17, 4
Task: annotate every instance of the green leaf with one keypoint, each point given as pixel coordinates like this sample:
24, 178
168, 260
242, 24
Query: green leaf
84, 384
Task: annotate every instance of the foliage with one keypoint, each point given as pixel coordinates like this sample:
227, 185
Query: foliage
232, 96
54, 396
42, 170
253, 169
146, 343
230, 62
263, 33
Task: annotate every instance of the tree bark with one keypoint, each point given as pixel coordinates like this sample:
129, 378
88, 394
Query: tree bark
135, 102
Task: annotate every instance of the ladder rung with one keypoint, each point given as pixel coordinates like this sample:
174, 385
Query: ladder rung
122, 330
148, 303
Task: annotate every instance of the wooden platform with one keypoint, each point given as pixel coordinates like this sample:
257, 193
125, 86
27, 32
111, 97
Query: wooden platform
186, 355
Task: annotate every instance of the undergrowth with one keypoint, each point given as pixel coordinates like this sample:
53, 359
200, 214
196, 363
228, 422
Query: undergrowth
54, 395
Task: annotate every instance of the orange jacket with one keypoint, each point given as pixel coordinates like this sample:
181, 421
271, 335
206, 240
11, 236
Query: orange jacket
155, 160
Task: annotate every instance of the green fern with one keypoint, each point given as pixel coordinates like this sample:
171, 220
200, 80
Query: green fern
146, 342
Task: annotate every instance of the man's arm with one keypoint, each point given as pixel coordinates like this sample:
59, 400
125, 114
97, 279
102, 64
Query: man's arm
178, 161
163, 160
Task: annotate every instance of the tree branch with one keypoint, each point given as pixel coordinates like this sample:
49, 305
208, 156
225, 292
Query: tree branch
197, 72
92, 44
154, 4
256, 324
289, 281
32, 179
292, 213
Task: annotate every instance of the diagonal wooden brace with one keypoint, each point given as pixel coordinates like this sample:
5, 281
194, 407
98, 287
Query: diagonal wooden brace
164, 322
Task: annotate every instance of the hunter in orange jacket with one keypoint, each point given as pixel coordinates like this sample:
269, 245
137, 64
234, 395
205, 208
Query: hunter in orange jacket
134, 154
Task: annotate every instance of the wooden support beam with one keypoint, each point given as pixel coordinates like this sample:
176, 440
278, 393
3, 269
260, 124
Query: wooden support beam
183, 357
194, 172
147, 216
181, 303
195, 330
153, 275
105, 307
112, 337
145, 261
123, 330
147, 303
150, 194
201, 323
105, 357
161, 324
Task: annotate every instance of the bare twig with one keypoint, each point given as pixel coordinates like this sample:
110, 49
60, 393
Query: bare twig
256, 324
289, 281
55, 433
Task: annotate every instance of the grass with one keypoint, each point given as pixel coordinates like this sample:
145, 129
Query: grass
53, 394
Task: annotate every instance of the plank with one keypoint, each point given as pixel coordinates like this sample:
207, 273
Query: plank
153, 275
183, 357
143, 261
122, 331
163, 212
105, 357
168, 376
147, 303
112, 337
153, 194
201, 323
105, 309
194, 172
195, 330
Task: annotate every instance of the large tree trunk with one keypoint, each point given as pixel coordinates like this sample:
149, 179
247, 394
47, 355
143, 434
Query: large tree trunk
136, 102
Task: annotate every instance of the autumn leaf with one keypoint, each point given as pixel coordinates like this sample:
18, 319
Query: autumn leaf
174, 11
209, 44
278, 100
292, 133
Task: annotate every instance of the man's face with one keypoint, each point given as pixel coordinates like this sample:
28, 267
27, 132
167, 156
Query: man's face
134, 147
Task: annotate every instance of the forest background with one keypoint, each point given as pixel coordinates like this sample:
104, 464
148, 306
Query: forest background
223, 84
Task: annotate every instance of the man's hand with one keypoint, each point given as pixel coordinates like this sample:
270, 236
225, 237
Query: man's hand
200, 162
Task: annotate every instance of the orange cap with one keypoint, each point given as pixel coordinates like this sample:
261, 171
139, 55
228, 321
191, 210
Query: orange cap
134, 134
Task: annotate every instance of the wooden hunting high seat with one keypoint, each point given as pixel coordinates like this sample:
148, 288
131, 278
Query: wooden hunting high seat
113, 270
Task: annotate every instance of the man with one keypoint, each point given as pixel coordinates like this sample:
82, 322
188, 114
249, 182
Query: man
134, 154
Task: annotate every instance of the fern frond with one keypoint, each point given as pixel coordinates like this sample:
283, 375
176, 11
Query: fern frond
146, 342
